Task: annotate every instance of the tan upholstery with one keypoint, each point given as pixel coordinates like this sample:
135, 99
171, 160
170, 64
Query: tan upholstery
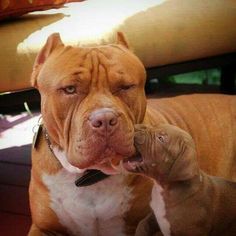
159, 32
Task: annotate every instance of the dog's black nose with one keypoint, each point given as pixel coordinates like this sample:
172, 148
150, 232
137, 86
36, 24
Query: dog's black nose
104, 119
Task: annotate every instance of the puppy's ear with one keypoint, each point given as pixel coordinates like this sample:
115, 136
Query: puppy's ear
185, 166
120, 39
53, 42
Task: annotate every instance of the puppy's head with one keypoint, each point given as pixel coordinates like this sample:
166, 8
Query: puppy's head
164, 153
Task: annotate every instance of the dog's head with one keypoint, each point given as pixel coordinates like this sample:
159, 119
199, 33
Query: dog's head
91, 97
164, 153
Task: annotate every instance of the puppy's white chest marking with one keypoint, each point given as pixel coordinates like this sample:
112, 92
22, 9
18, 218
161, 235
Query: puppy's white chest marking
158, 206
93, 210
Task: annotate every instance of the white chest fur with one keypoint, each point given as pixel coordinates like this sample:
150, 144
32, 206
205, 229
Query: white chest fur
94, 210
158, 206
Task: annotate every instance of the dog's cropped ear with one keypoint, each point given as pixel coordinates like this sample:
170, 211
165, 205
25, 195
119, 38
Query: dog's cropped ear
185, 167
120, 39
53, 42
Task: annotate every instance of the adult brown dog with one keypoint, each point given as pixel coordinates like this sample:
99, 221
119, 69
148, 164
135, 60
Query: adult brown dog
91, 99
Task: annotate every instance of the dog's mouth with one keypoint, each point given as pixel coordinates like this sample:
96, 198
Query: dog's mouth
133, 163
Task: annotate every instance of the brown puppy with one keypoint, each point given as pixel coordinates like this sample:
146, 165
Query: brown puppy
185, 200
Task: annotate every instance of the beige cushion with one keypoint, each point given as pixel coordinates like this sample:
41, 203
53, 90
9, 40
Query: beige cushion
159, 32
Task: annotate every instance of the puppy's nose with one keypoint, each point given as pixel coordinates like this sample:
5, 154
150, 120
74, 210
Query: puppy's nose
104, 119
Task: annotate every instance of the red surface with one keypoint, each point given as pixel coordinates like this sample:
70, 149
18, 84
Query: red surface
15, 148
14, 225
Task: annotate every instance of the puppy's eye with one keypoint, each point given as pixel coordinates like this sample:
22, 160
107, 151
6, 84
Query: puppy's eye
161, 138
70, 89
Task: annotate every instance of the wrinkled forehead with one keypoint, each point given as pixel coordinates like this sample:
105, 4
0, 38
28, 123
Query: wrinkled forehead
111, 60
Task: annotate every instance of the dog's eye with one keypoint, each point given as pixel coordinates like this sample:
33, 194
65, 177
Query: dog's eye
70, 89
127, 87
123, 88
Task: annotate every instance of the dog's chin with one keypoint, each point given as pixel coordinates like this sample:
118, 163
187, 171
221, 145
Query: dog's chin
108, 162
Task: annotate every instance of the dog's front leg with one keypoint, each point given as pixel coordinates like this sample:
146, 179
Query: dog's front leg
35, 231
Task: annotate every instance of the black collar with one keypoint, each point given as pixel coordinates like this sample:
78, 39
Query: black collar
88, 178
